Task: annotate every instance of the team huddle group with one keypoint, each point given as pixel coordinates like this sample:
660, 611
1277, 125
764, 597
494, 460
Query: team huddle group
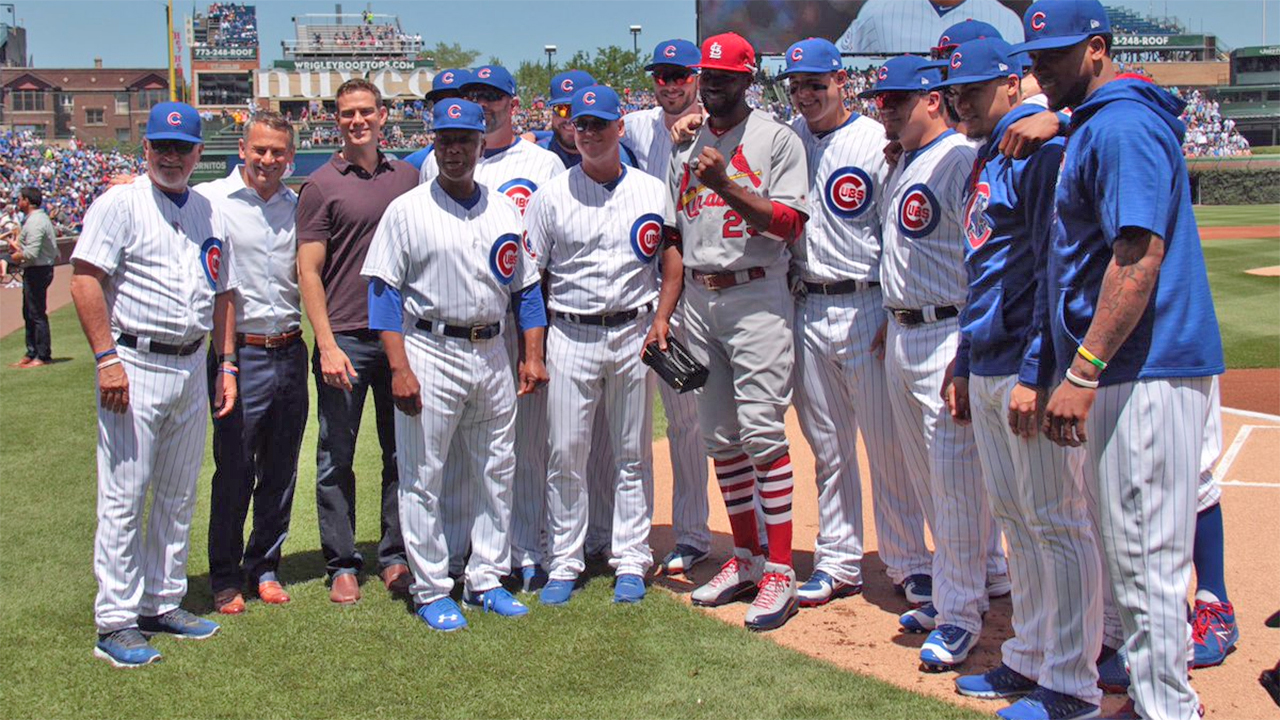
1000, 283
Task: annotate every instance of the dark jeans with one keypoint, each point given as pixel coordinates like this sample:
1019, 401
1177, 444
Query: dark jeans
255, 450
35, 292
339, 412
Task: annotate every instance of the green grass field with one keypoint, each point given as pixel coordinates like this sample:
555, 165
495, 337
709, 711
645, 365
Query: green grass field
1248, 306
660, 659
1237, 215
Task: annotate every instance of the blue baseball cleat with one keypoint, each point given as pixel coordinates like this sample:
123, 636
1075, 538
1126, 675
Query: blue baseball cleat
1214, 633
628, 588
1113, 673
496, 600
532, 578
1046, 704
821, 589
126, 648
997, 683
946, 647
918, 589
920, 620
178, 623
556, 592
443, 615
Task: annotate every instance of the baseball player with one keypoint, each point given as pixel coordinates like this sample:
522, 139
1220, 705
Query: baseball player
1138, 355
838, 312
597, 232
151, 278
515, 168
339, 208
446, 84
675, 86
445, 263
739, 191
255, 448
1002, 369
1214, 631
923, 284
885, 27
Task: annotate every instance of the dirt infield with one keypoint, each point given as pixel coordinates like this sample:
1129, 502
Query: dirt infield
1254, 390
861, 633
1240, 232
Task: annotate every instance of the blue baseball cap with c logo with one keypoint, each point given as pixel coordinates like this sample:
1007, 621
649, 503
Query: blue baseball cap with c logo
174, 121
457, 114
596, 101
1052, 24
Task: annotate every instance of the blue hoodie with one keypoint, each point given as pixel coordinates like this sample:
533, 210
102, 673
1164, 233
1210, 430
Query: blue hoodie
1008, 222
1124, 168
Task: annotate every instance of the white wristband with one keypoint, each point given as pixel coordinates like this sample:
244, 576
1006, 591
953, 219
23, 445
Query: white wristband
1078, 381
108, 363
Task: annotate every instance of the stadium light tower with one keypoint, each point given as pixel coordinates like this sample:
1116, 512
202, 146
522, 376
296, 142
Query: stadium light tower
635, 37
549, 50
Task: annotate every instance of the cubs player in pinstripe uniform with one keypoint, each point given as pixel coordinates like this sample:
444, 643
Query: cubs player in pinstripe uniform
839, 311
923, 283
1002, 370
152, 277
445, 263
597, 231
515, 168
906, 26
739, 189
1138, 355
648, 135
445, 85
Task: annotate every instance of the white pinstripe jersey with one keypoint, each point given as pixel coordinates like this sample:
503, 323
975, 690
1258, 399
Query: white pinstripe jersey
451, 263
762, 155
266, 245
599, 246
645, 132
904, 26
923, 259
516, 171
847, 171
164, 262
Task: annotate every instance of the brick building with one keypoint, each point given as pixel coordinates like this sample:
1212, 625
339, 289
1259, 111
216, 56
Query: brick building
95, 105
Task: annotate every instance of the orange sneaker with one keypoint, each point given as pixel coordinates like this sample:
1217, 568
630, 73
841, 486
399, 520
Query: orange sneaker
228, 601
272, 593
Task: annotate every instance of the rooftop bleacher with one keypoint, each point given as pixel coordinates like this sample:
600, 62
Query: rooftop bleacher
227, 25
371, 35
1128, 22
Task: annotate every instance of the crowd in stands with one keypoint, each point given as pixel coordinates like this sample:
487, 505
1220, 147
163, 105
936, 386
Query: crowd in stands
71, 178
1208, 133
367, 37
232, 25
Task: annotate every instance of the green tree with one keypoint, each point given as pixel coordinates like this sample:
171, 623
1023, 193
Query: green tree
618, 68
450, 56
532, 79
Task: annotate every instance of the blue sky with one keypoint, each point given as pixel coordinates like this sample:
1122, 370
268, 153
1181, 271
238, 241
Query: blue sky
130, 33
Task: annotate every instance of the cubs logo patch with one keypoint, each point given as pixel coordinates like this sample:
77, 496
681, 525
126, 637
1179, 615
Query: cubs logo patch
567, 85
174, 118
447, 78
797, 54
944, 41
883, 73
503, 257
955, 61
519, 190
589, 98
1037, 21
977, 228
454, 111
484, 73
918, 211
669, 51
528, 246
646, 236
211, 260
848, 192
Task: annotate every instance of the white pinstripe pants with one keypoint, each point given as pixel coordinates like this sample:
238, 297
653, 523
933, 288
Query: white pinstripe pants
1144, 453
156, 444
840, 388
1037, 495
592, 366
943, 463
468, 407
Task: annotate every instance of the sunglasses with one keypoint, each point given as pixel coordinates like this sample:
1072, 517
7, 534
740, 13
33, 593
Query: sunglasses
590, 124
895, 97
486, 94
561, 110
177, 147
674, 78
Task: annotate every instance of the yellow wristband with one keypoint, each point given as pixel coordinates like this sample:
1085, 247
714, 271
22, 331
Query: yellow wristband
1093, 359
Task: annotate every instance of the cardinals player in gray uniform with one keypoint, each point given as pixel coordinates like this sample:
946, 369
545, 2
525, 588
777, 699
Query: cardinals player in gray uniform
739, 190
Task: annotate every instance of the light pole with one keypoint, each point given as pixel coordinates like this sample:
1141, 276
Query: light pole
635, 37
549, 50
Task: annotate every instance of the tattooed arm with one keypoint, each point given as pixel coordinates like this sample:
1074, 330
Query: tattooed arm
1126, 290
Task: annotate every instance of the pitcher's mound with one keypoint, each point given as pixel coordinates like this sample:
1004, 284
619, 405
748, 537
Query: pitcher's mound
1273, 271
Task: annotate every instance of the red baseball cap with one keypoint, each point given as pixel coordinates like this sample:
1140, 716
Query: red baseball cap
729, 52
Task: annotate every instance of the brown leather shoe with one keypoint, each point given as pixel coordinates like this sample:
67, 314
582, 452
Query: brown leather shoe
272, 593
25, 361
345, 589
397, 578
228, 601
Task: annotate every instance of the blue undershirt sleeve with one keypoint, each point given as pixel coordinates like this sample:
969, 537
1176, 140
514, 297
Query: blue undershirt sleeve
386, 310
529, 307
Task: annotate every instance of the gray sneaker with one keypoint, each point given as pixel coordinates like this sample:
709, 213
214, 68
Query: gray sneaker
737, 578
179, 623
776, 602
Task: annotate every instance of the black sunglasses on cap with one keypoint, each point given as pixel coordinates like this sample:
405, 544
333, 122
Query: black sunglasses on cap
484, 93
588, 123
177, 147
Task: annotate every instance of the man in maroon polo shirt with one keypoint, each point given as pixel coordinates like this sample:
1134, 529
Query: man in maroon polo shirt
338, 210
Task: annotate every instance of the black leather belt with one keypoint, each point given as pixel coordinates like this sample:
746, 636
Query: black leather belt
840, 287
474, 333
918, 317
133, 341
728, 279
608, 319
